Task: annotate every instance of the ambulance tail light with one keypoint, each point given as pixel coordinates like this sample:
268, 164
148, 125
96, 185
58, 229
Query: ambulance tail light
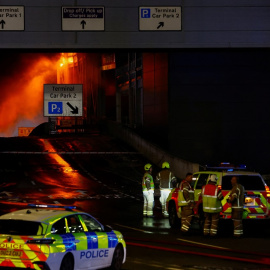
267, 191
40, 241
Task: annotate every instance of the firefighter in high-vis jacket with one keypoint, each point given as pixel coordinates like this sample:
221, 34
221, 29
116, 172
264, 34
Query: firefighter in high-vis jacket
211, 199
237, 198
166, 181
186, 201
148, 191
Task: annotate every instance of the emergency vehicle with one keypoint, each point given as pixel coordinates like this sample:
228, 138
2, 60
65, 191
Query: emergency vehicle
52, 238
257, 193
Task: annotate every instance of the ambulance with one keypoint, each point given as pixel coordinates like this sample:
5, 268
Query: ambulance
58, 238
257, 193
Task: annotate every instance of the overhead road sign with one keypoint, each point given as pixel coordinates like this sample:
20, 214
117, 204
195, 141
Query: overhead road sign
63, 99
82, 18
160, 18
11, 18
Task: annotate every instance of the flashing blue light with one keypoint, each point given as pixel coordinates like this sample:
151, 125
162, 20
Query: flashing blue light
50, 206
230, 170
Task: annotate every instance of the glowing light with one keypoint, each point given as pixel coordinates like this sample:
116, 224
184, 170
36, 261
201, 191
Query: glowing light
23, 94
70, 59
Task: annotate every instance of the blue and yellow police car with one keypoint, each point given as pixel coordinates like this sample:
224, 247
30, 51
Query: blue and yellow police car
52, 238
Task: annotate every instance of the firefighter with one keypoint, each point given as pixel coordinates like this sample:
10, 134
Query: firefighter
166, 181
236, 199
148, 191
211, 200
186, 201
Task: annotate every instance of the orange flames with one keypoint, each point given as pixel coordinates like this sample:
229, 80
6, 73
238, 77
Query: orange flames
22, 95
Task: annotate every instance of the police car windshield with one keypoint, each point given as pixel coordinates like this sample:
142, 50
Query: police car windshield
249, 182
20, 227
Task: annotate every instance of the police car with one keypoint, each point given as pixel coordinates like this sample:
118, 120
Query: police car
257, 193
51, 238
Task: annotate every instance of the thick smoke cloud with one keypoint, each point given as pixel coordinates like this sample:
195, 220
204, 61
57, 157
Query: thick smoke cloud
21, 88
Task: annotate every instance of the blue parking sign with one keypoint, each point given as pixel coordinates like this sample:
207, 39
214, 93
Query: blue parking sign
55, 107
145, 13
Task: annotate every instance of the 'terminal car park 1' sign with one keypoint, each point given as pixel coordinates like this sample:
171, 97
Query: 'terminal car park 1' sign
83, 19
11, 18
63, 99
160, 19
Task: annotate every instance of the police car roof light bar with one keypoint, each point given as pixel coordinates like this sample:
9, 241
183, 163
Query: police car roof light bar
51, 206
226, 166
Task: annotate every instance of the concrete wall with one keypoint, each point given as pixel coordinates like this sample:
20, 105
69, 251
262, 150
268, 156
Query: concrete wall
156, 155
219, 106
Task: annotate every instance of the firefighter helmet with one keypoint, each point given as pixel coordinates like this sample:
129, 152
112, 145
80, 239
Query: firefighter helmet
147, 167
213, 178
165, 165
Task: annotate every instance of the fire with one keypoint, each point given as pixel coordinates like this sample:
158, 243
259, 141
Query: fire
22, 94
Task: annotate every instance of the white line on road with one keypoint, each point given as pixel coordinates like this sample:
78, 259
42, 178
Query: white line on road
33, 182
135, 229
199, 243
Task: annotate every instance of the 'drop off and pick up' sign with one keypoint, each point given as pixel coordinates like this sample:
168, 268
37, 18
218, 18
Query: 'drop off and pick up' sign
83, 18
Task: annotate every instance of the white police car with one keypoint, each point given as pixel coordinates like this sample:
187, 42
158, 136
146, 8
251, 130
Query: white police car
46, 237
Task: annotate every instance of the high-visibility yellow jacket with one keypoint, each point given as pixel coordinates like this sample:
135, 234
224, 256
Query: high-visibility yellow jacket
186, 194
147, 182
211, 198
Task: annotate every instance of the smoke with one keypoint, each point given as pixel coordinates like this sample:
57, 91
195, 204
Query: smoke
21, 88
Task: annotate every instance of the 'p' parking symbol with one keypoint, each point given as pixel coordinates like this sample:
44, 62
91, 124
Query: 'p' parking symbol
145, 13
55, 107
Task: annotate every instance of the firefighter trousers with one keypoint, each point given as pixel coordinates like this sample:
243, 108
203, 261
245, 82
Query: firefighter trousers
211, 224
186, 217
164, 193
148, 202
237, 222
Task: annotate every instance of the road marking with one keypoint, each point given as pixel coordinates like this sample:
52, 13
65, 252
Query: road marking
199, 243
135, 229
33, 182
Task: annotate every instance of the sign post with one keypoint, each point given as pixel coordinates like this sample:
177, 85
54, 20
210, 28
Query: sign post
11, 18
160, 19
63, 100
82, 18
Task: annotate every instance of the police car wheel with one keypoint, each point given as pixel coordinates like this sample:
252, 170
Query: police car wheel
118, 257
67, 263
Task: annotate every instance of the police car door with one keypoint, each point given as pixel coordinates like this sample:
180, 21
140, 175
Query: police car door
76, 238
98, 252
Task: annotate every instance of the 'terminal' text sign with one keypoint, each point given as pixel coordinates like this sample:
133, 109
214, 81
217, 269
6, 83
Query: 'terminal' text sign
11, 18
63, 99
160, 19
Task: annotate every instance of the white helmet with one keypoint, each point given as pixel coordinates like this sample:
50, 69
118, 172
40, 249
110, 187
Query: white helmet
213, 178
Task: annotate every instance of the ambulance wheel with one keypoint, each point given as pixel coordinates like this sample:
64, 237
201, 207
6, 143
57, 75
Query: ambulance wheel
117, 259
67, 263
173, 218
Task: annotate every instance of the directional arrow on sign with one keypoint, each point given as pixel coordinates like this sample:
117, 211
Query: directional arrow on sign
83, 23
74, 110
2, 23
161, 24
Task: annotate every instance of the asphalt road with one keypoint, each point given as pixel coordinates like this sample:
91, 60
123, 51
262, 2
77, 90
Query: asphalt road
102, 176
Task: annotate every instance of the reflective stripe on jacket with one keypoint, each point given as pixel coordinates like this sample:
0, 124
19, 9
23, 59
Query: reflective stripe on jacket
147, 182
211, 198
237, 197
185, 194
165, 178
